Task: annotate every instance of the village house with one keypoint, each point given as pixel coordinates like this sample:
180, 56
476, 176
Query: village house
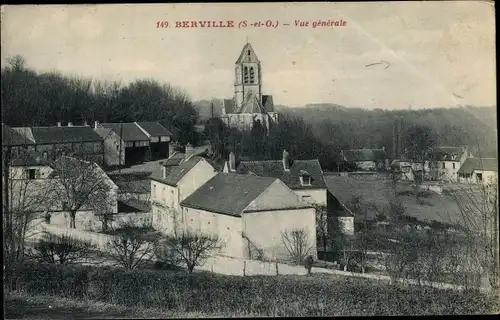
136, 142
403, 170
304, 177
366, 159
446, 161
33, 185
112, 144
141, 141
479, 171
53, 142
173, 181
248, 105
159, 137
240, 210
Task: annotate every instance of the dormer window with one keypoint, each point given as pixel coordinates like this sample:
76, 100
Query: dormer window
305, 178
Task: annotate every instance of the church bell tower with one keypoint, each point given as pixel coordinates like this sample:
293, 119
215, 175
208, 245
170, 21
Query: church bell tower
248, 81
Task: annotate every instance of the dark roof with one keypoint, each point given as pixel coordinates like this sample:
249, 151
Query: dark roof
335, 206
228, 193
46, 135
243, 55
103, 132
251, 104
471, 164
447, 153
229, 105
175, 173
154, 128
132, 182
364, 154
30, 159
268, 103
130, 131
11, 137
175, 159
274, 168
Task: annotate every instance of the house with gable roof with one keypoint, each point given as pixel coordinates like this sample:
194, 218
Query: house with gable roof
172, 181
446, 161
305, 178
55, 141
479, 171
249, 214
366, 159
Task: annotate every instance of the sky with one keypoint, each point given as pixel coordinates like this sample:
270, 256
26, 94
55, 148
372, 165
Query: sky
439, 54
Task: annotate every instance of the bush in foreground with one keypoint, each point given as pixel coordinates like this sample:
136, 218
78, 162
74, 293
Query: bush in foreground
260, 295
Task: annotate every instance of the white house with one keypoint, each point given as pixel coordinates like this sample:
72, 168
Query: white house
114, 147
304, 177
479, 171
446, 161
35, 185
250, 214
176, 179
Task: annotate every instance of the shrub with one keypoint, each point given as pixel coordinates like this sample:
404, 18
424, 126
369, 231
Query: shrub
61, 249
232, 295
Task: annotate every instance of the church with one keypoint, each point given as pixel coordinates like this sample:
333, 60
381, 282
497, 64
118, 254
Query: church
248, 105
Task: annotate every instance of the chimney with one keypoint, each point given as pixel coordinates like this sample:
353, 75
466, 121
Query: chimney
232, 162
96, 124
70, 124
189, 150
58, 123
286, 161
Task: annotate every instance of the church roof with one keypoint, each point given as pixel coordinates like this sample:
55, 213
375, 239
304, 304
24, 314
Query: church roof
244, 57
251, 105
268, 103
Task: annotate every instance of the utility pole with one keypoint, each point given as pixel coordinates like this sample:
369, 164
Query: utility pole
121, 143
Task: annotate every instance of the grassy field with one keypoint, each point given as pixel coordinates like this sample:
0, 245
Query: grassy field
442, 208
108, 292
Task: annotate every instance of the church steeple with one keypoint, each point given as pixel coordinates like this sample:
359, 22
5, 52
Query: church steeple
248, 81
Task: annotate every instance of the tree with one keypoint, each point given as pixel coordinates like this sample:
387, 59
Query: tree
478, 218
23, 198
297, 244
420, 140
61, 249
323, 226
130, 247
80, 184
189, 248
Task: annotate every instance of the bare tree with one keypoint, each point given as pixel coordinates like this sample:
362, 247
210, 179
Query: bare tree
322, 226
24, 197
131, 248
61, 249
297, 244
420, 141
80, 184
189, 248
478, 215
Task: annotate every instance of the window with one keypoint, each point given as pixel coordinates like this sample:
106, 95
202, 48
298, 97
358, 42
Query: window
245, 74
453, 165
442, 165
306, 198
249, 54
479, 177
31, 174
252, 75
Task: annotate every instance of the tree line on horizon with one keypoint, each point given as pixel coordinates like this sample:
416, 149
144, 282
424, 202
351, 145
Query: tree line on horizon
30, 98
